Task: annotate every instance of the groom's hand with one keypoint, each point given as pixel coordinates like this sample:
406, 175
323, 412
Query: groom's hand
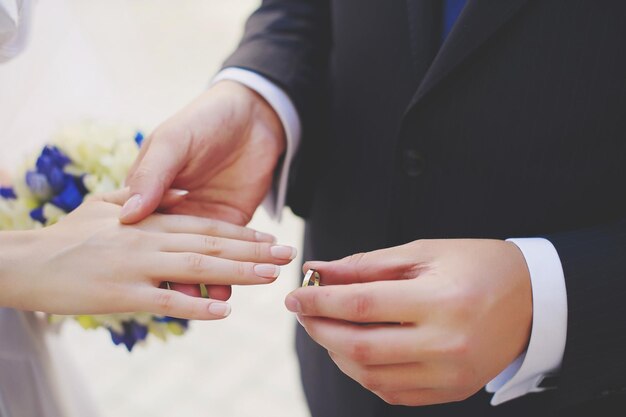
222, 148
428, 322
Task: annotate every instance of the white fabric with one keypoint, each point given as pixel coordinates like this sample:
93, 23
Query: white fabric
275, 200
14, 27
36, 376
548, 335
549, 329
36, 379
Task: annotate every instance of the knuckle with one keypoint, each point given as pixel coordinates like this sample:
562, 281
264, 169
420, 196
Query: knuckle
211, 226
460, 395
361, 306
212, 246
462, 303
194, 262
240, 269
391, 398
465, 297
411, 270
460, 378
311, 302
360, 351
371, 381
458, 348
259, 250
164, 302
356, 258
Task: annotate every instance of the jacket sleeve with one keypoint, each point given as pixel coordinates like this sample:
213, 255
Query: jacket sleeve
594, 364
288, 42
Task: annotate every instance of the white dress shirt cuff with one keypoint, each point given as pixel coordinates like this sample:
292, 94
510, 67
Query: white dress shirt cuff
549, 328
283, 106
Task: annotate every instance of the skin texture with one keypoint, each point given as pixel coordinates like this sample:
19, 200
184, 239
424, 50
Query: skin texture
423, 323
428, 322
90, 263
222, 148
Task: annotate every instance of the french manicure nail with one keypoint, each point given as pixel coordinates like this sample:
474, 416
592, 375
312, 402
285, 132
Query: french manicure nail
178, 192
292, 304
131, 205
219, 309
283, 252
264, 237
266, 270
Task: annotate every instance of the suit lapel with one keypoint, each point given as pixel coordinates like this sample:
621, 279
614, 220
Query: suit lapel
478, 22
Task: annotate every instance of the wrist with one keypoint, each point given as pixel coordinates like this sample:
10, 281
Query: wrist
15, 254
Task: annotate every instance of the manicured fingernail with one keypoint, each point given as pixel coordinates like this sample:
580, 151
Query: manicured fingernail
131, 205
283, 252
266, 270
219, 309
178, 192
292, 304
264, 237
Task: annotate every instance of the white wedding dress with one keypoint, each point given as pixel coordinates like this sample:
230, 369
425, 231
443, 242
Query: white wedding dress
36, 378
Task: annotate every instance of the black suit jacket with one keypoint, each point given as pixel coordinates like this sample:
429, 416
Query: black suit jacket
515, 127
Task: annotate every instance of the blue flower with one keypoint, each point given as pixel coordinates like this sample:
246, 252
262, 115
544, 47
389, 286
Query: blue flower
166, 319
8, 193
132, 333
50, 164
57, 157
37, 215
71, 197
139, 138
39, 185
80, 182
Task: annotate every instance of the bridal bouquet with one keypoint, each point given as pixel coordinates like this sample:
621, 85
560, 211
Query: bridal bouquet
79, 161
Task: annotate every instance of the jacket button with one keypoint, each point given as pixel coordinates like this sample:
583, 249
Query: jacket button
413, 163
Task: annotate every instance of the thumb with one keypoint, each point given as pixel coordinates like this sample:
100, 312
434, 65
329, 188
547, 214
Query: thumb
171, 198
150, 179
380, 265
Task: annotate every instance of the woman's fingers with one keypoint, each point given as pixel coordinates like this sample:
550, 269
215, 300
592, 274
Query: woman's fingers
239, 250
173, 223
193, 268
176, 304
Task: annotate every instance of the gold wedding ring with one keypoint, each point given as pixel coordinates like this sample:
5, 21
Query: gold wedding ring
204, 293
311, 278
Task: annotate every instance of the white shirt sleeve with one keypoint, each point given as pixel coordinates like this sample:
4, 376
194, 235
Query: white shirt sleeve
283, 106
549, 328
14, 27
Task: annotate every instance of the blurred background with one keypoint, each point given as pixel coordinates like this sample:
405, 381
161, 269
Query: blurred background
136, 62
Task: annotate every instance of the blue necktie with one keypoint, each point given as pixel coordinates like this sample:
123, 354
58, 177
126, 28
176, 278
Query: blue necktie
451, 11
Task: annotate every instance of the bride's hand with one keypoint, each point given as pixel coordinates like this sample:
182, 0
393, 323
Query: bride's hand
89, 263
